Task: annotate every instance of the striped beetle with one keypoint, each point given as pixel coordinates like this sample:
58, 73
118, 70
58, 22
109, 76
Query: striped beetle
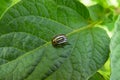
59, 40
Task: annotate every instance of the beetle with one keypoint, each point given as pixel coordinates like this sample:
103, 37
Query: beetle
59, 40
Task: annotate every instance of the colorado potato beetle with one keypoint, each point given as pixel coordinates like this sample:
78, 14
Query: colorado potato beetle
59, 40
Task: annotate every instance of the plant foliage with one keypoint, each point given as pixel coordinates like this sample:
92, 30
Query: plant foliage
28, 26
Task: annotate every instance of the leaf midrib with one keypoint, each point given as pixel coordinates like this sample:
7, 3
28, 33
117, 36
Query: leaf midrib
73, 32
12, 4
48, 43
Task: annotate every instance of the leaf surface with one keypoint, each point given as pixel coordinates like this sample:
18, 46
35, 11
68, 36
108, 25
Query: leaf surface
28, 28
97, 76
115, 52
5, 4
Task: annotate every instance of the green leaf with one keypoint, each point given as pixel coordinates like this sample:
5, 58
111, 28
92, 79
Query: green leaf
28, 28
5, 4
97, 76
105, 15
98, 12
95, 12
75, 5
77, 66
115, 52
9, 53
103, 73
21, 40
106, 70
